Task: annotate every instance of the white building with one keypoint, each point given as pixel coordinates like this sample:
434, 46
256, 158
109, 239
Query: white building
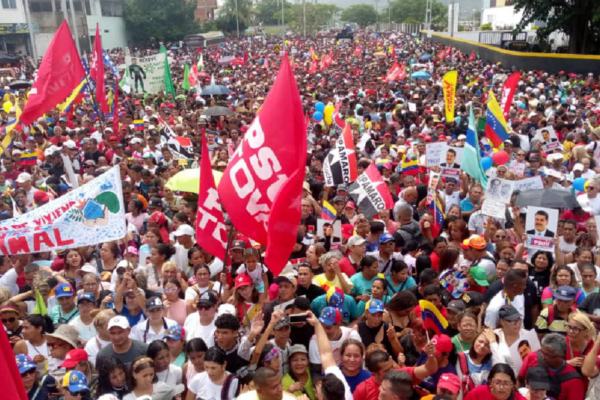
14, 30
503, 18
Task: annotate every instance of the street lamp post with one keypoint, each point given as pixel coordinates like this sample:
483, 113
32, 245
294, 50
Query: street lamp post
237, 19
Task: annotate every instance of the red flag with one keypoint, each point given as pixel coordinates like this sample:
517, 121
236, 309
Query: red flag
262, 185
12, 385
116, 111
393, 73
472, 58
508, 93
61, 72
193, 75
337, 118
441, 54
97, 72
246, 57
314, 66
210, 223
266, 64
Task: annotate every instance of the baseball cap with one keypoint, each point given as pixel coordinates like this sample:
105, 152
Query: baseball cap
356, 241
386, 237
297, 348
565, 293
374, 306
242, 280
75, 381
339, 199
157, 203
73, 358
456, 305
238, 245
443, 344
283, 322
342, 188
23, 177
153, 303
85, 296
63, 290
175, 332
479, 275
509, 313
538, 378
291, 278
25, 363
473, 299
449, 382
477, 242
350, 205
330, 316
207, 298
184, 229
335, 297
69, 144
119, 321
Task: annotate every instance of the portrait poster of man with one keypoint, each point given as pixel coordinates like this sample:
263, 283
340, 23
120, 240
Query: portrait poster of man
455, 282
540, 225
499, 190
331, 229
548, 137
452, 162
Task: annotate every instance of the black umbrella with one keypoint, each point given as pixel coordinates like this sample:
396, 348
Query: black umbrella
217, 111
548, 198
215, 90
17, 85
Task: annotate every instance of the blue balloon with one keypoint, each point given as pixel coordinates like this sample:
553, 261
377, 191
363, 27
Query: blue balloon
320, 107
579, 184
318, 116
486, 163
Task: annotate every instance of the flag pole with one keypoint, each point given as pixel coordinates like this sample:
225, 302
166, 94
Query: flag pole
225, 259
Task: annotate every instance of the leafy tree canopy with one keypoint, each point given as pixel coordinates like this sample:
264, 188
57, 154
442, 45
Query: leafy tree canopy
361, 14
165, 20
413, 11
227, 21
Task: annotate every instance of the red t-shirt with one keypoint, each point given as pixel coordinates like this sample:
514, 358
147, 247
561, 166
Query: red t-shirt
347, 267
369, 390
581, 219
58, 141
573, 388
435, 261
483, 393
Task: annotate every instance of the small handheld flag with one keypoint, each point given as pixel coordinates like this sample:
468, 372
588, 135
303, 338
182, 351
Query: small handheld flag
496, 129
139, 124
432, 317
328, 212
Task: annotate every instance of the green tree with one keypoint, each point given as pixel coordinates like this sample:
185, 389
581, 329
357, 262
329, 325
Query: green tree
235, 12
150, 20
576, 18
266, 11
317, 16
361, 14
413, 11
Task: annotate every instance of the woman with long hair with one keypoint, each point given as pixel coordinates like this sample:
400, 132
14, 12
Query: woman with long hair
400, 311
73, 263
450, 259
353, 354
588, 279
113, 378
473, 367
246, 300
142, 379
501, 385
34, 343
165, 372
540, 270
151, 238
160, 254
195, 350
313, 256
175, 307
561, 276
209, 384
298, 381
458, 232
399, 278
414, 341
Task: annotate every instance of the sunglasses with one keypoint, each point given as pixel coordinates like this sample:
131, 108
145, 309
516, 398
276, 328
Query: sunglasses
30, 372
8, 320
203, 307
81, 393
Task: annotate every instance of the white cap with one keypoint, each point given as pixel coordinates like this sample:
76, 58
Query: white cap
69, 144
460, 137
89, 269
23, 177
184, 229
137, 140
151, 127
356, 241
108, 397
119, 321
226, 308
578, 167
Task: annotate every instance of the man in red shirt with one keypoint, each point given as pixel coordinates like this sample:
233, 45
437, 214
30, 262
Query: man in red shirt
566, 382
357, 248
380, 363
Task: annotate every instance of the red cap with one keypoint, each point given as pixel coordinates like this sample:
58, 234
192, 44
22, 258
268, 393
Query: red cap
440, 126
113, 138
73, 358
449, 382
137, 102
349, 205
387, 134
442, 137
40, 197
243, 280
244, 129
428, 138
443, 344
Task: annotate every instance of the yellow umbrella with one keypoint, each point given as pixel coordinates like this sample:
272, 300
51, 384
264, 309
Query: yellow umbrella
188, 180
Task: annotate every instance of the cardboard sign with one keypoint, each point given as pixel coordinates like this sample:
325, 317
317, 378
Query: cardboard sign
541, 225
434, 153
493, 208
500, 190
532, 183
548, 138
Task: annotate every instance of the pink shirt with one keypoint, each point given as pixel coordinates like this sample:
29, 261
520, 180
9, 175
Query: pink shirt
177, 312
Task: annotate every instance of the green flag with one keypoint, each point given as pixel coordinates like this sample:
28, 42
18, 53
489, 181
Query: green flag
40, 306
169, 88
186, 84
125, 83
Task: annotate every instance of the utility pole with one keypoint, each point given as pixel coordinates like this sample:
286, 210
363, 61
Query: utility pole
304, 16
237, 19
377, 12
283, 18
75, 29
428, 15
452, 20
31, 37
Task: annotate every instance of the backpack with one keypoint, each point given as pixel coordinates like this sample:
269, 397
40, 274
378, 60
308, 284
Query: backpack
557, 379
227, 385
466, 384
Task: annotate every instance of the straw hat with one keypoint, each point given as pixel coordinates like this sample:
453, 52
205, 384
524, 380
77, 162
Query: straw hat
66, 333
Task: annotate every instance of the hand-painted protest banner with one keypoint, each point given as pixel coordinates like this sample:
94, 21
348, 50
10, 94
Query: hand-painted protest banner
434, 153
146, 74
92, 214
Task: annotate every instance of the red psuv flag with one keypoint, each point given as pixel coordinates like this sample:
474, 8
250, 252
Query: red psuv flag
313, 66
261, 188
12, 384
370, 193
97, 71
193, 76
393, 72
61, 72
210, 223
472, 58
508, 93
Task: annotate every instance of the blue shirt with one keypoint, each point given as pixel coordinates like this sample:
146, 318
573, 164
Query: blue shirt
410, 282
466, 205
430, 383
361, 285
354, 381
133, 321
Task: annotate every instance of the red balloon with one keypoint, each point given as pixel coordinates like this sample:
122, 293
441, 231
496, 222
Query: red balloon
500, 157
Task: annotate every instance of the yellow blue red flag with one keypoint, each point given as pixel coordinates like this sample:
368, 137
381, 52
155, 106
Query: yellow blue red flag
432, 317
328, 212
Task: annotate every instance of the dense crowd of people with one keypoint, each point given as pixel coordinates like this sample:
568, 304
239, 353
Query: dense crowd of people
154, 316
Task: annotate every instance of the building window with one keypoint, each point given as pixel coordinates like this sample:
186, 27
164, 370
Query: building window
9, 4
111, 8
40, 6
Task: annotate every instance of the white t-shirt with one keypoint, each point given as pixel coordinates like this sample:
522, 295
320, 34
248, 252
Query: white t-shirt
451, 199
93, 346
338, 374
191, 294
180, 257
252, 395
491, 313
144, 333
313, 349
205, 389
86, 332
171, 376
510, 355
193, 329
9, 280
256, 275
565, 247
575, 270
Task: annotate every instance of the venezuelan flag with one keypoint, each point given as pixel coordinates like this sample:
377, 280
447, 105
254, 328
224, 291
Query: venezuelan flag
74, 98
139, 124
29, 158
432, 317
438, 217
408, 167
496, 129
328, 212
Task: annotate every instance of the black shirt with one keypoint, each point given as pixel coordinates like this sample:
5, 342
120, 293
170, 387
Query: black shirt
234, 361
531, 299
302, 334
591, 304
541, 279
368, 335
311, 292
